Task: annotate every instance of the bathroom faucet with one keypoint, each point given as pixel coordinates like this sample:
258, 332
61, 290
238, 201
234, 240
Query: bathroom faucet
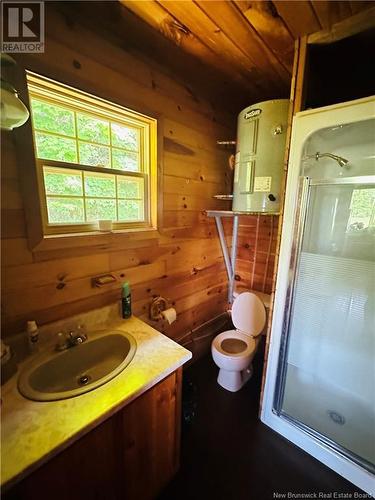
71, 339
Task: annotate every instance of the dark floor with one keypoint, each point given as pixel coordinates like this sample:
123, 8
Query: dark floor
227, 453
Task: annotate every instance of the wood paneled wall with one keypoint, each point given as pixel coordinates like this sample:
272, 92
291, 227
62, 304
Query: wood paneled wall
257, 239
184, 261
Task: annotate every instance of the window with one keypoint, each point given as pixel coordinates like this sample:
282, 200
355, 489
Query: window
95, 160
362, 210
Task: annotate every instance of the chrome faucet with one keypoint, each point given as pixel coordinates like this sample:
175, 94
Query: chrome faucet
70, 339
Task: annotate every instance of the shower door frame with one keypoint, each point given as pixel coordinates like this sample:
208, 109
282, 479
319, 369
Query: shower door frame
305, 124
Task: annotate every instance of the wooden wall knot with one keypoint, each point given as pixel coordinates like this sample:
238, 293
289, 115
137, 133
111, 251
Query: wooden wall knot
61, 281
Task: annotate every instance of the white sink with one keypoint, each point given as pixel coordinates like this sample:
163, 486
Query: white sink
59, 375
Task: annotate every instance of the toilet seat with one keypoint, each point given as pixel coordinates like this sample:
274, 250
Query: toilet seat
234, 334
248, 314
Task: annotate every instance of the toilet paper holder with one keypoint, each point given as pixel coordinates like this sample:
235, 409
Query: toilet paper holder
157, 306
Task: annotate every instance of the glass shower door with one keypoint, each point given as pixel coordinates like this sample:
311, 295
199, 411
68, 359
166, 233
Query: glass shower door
326, 382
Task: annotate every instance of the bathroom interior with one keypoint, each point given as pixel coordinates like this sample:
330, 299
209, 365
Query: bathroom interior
187, 249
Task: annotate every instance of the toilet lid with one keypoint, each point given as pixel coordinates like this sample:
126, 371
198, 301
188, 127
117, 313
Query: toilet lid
248, 314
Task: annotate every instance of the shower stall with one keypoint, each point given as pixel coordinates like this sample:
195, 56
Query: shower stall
320, 383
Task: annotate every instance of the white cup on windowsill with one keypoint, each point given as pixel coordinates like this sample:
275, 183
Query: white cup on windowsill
105, 225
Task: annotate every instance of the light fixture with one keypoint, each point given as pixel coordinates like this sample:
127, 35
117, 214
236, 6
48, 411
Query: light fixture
13, 111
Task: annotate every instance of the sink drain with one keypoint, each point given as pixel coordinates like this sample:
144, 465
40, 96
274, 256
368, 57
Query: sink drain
336, 417
83, 379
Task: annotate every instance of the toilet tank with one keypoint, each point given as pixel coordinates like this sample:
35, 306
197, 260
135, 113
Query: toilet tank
261, 135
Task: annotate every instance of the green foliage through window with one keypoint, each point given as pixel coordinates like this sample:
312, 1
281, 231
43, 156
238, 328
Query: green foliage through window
92, 141
97, 185
52, 118
362, 209
69, 183
65, 210
130, 210
77, 197
97, 156
53, 147
124, 160
97, 209
93, 130
95, 159
124, 137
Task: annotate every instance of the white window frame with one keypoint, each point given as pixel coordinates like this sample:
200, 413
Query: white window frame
58, 94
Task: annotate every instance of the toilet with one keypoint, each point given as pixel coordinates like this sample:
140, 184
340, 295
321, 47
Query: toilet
234, 350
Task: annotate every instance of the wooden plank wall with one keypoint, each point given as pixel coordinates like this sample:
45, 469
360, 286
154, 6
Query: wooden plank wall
184, 262
256, 252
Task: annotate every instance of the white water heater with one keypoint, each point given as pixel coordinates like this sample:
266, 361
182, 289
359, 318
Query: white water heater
261, 135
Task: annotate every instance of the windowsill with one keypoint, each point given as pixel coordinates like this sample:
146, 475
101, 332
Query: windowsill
92, 238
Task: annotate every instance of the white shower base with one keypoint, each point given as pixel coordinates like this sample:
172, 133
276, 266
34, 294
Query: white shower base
310, 400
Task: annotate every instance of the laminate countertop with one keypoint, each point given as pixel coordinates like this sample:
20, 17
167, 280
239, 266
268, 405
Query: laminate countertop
33, 432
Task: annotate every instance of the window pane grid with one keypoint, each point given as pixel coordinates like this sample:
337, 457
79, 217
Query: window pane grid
56, 134
85, 206
111, 150
79, 138
82, 209
92, 197
115, 154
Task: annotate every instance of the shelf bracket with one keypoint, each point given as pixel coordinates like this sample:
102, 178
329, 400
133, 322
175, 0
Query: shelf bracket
230, 260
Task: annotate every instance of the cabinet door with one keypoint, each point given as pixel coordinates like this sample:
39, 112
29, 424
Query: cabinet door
150, 431
130, 456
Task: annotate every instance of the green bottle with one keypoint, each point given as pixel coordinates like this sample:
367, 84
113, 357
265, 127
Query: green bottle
126, 301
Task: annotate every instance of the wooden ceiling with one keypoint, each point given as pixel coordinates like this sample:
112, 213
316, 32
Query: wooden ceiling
237, 51
250, 42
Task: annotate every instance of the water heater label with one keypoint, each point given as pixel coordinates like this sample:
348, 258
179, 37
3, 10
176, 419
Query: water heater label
262, 184
252, 113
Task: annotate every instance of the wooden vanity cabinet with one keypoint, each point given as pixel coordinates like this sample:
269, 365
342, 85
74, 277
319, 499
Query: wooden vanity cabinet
130, 456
